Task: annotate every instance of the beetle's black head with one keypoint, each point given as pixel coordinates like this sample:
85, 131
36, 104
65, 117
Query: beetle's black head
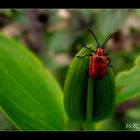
99, 46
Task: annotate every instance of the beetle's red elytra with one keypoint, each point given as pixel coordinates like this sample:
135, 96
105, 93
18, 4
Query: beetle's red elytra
98, 61
98, 65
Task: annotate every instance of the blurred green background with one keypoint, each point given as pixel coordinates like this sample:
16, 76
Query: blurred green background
55, 36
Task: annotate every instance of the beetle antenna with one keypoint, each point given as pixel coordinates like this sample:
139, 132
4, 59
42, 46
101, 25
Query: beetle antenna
88, 48
94, 37
108, 39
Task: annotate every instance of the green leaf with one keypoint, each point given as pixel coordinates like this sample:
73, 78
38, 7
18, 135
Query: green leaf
29, 95
128, 83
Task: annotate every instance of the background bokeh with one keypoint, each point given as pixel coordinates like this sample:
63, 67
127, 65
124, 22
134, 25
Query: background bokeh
55, 36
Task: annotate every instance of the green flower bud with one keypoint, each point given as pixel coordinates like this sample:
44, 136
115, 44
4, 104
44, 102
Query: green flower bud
84, 96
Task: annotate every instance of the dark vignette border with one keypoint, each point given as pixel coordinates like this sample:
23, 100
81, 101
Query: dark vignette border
69, 4
69, 135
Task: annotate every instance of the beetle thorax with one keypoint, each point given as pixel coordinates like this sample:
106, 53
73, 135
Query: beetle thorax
100, 51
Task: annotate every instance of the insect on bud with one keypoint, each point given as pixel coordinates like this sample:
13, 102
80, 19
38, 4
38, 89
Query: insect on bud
76, 91
90, 76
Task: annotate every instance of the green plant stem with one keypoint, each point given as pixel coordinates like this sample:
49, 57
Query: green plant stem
88, 125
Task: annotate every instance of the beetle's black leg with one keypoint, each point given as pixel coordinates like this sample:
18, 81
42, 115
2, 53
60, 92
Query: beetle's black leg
84, 56
87, 69
88, 48
109, 62
106, 53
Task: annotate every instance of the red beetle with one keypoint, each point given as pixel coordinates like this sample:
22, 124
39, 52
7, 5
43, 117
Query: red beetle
99, 61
